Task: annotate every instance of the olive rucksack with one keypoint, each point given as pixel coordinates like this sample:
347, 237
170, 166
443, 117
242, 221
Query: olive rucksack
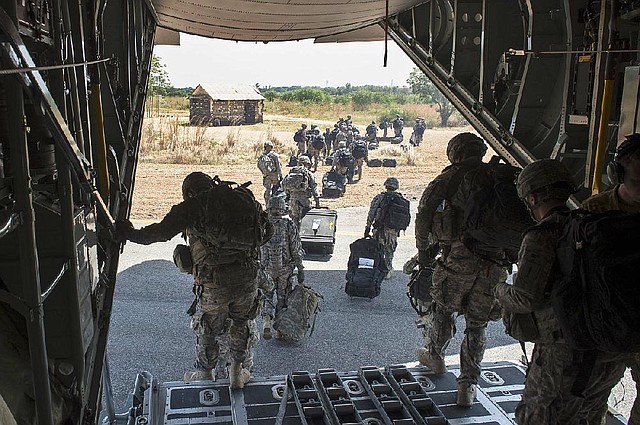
494, 216
595, 294
297, 319
345, 159
233, 219
299, 136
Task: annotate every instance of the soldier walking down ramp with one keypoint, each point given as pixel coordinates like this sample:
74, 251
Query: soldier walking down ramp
300, 186
385, 230
225, 265
280, 256
269, 165
563, 385
462, 282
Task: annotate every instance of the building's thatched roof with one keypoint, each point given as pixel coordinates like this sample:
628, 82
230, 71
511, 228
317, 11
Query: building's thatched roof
246, 92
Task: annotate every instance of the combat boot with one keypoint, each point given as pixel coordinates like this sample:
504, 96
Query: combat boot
198, 375
431, 360
466, 394
238, 376
266, 328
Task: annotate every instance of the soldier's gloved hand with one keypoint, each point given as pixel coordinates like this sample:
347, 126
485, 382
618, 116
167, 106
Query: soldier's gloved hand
123, 229
300, 276
367, 232
424, 258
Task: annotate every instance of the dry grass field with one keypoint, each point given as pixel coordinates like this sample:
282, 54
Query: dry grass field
170, 150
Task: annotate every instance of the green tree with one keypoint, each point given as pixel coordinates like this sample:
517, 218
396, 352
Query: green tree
159, 78
427, 91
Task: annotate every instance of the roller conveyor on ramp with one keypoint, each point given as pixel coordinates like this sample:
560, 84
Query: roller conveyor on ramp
394, 395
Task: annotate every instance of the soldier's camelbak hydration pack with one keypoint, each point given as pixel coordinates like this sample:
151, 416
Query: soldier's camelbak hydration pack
297, 319
494, 217
596, 294
394, 212
234, 220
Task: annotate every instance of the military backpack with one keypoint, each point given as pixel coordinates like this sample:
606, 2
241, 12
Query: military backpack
596, 292
394, 212
297, 180
360, 149
266, 164
494, 216
233, 220
297, 319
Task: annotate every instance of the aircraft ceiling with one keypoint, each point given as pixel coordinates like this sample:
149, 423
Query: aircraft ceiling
278, 20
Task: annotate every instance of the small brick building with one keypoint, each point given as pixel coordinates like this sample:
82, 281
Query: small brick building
225, 105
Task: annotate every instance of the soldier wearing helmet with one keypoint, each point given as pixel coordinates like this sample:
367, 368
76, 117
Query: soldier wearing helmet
461, 280
398, 125
280, 256
223, 277
269, 166
371, 131
624, 172
387, 236
300, 186
551, 393
301, 138
343, 161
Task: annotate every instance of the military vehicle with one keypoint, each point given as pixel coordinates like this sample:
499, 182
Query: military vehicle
535, 78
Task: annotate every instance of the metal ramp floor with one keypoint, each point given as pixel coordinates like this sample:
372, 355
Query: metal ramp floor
395, 395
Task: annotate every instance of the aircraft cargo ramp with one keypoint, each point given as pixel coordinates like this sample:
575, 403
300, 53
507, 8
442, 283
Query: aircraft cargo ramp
394, 395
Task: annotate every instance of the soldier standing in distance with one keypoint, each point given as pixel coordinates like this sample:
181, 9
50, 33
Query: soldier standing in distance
462, 282
301, 139
388, 237
300, 194
556, 370
280, 256
625, 196
397, 125
225, 279
269, 165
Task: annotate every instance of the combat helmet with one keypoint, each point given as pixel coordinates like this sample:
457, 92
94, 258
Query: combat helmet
276, 205
342, 144
303, 126
304, 159
544, 173
465, 145
268, 143
392, 183
195, 183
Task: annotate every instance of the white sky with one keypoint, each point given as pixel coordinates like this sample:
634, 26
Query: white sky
302, 63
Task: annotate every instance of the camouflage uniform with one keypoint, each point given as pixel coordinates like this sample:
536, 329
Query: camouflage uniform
386, 236
265, 284
225, 281
606, 201
280, 256
269, 180
462, 282
344, 170
548, 397
299, 201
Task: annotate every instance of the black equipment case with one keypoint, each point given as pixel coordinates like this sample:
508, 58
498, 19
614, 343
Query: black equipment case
318, 231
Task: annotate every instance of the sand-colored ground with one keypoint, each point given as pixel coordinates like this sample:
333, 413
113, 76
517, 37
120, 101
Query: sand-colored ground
158, 186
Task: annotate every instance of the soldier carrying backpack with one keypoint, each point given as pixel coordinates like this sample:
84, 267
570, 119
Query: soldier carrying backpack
300, 185
269, 166
564, 381
226, 227
388, 214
